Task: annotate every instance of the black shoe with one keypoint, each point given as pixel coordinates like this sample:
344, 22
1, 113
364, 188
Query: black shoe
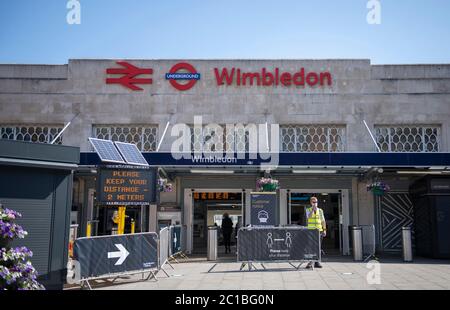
309, 266
317, 265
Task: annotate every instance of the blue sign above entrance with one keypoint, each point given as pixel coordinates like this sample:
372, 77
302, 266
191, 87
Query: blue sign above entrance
161, 159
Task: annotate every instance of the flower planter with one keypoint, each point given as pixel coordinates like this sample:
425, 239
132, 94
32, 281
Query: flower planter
269, 187
378, 191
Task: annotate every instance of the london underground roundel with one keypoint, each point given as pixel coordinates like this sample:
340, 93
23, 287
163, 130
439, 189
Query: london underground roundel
174, 76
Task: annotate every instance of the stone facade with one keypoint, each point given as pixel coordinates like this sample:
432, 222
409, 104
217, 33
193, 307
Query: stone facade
381, 95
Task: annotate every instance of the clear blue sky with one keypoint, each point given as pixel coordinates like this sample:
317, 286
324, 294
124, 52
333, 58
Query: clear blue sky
411, 31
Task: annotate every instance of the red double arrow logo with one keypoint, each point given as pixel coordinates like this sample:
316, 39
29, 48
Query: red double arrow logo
129, 73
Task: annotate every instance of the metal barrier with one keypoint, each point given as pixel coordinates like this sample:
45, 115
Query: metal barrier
167, 245
368, 241
114, 256
163, 249
407, 244
176, 243
278, 244
357, 243
212, 243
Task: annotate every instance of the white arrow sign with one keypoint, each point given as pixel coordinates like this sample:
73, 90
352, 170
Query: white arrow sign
122, 254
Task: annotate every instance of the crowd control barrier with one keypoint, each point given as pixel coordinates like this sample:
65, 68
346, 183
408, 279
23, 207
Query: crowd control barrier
277, 244
116, 255
163, 251
176, 245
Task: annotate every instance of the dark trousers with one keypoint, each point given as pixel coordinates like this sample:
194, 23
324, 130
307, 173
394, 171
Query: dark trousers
321, 239
227, 240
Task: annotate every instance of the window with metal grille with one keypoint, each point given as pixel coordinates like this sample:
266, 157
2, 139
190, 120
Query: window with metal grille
34, 133
144, 137
312, 138
206, 138
405, 138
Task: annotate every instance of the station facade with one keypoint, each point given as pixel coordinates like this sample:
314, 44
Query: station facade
327, 127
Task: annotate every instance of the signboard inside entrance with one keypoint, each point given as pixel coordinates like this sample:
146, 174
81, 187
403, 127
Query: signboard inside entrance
263, 208
125, 186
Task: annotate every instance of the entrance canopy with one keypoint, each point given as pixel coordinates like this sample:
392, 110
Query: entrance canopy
296, 162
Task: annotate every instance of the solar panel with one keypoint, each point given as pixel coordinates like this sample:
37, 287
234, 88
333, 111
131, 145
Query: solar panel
106, 150
131, 153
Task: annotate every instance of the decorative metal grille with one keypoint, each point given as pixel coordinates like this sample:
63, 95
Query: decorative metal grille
408, 138
33, 133
228, 141
144, 137
312, 138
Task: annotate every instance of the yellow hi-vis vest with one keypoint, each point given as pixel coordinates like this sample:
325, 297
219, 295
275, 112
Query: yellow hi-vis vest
315, 221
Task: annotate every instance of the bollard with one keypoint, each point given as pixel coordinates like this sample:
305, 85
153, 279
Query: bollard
407, 244
133, 226
212, 243
357, 243
88, 229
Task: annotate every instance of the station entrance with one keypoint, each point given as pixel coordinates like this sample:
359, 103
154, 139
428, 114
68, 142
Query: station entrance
209, 209
332, 205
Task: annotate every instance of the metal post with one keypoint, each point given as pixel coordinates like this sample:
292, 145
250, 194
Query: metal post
212, 243
88, 229
121, 219
407, 244
371, 135
357, 243
133, 226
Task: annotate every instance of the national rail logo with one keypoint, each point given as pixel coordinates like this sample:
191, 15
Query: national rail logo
174, 76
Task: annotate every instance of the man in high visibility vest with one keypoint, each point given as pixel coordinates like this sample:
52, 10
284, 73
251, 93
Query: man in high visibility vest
314, 218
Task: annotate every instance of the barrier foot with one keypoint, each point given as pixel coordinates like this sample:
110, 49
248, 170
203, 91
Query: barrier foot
264, 267
292, 265
88, 284
242, 266
170, 265
114, 279
165, 272
212, 267
151, 274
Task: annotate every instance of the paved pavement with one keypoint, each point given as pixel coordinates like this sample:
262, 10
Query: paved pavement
338, 273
